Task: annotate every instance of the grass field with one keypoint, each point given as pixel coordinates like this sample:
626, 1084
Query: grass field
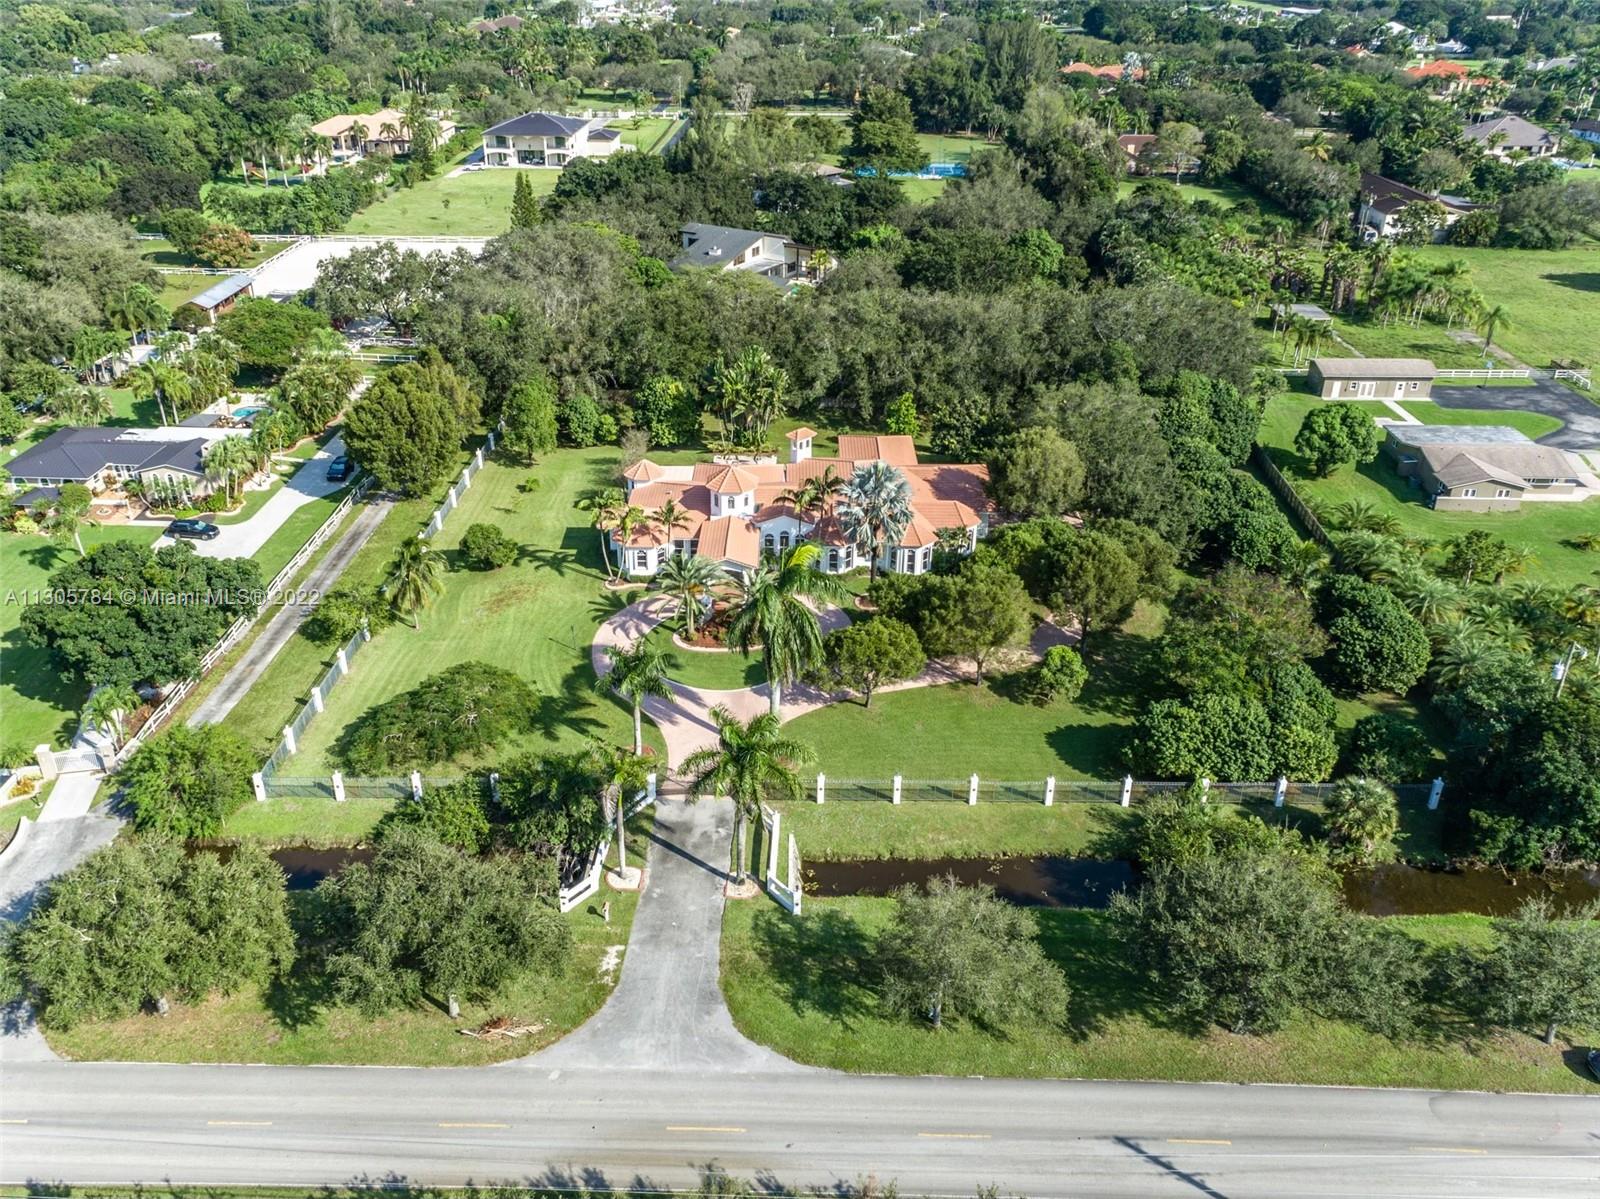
178, 290
645, 134
476, 204
1541, 527
296, 1023
1553, 297
802, 987
1425, 340
535, 617
161, 252
720, 671
1227, 193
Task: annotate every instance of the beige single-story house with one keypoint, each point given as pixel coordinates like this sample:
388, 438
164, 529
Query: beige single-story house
355, 135
1482, 468
1512, 137
548, 139
735, 514
1372, 378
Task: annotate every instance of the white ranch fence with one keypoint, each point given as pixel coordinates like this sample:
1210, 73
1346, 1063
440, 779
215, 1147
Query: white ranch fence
973, 790
589, 884
786, 890
1479, 373
239, 628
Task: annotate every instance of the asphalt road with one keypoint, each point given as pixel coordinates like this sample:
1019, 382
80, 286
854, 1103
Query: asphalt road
219, 1125
1579, 416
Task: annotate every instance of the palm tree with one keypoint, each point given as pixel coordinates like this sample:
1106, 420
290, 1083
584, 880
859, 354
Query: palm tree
414, 579
80, 405
773, 614
749, 763
228, 461
875, 508
108, 710
62, 519
669, 517
1493, 321
689, 580
813, 495
625, 774
135, 310
1582, 607
637, 673
628, 520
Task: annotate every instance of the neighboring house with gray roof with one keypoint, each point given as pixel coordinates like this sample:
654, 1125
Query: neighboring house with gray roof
221, 296
105, 458
1483, 468
548, 139
1381, 201
1511, 135
769, 255
1371, 378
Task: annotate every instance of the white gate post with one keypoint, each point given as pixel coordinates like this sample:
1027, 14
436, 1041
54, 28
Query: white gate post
1433, 795
258, 784
1205, 790
316, 698
772, 847
343, 660
1127, 790
896, 798
1281, 792
366, 631
46, 758
1050, 791
478, 458
288, 738
450, 496
649, 786
338, 786
416, 784
466, 477
972, 790
822, 782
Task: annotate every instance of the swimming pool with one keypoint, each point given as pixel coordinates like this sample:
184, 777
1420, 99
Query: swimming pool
247, 412
934, 170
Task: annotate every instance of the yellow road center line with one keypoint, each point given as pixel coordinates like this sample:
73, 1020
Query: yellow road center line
955, 1136
13, 1121
240, 1123
703, 1128
1444, 1149
471, 1124
1195, 1141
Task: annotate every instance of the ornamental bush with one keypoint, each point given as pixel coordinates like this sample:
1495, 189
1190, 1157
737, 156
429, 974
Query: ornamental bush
486, 547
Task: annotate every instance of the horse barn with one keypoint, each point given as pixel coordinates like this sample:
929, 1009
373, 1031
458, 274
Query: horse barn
1372, 378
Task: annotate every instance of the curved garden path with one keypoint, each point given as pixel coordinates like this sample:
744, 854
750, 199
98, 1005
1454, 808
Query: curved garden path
686, 723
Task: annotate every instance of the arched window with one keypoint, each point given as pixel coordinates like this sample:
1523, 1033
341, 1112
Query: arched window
768, 541
642, 559
833, 559
783, 539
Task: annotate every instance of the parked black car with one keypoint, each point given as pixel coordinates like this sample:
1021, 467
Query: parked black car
194, 530
340, 469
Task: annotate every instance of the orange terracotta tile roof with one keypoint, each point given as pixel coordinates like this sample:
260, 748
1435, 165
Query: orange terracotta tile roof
732, 480
919, 532
801, 433
643, 471
1439, 68
894, 449
730, 539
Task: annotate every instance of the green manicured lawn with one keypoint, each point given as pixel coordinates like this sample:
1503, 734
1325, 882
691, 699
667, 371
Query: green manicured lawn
718, 670
178, 290
476, 204
1541, 527
161, 252
1553, 297
1529, 424
295, 1023
801, 985
1425, 340
294, 532
645, 134
951, 147
536, 617
316, 822
38, 704
845, 829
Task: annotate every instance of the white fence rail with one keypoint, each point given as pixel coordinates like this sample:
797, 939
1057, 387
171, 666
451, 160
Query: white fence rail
238, 628
786, 890
1473, 373
1280, 792
1581, 378
586, 886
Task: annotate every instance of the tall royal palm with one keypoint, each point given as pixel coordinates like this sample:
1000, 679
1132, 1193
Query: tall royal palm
414, 578
637, 674
874, 508
774, 615
690, 580
750, 763
625, 776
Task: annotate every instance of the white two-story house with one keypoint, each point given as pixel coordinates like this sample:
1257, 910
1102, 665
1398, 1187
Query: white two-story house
548, 139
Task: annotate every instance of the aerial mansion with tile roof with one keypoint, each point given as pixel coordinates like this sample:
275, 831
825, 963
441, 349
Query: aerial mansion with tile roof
733, 514
548, 139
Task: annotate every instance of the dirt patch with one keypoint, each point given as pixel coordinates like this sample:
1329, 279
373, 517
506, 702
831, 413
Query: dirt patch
510, 597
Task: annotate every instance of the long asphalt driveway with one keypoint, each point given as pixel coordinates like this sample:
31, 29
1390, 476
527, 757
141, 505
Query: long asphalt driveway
1579, 415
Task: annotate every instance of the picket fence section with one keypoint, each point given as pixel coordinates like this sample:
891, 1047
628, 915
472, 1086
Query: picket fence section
238, 628
589, 882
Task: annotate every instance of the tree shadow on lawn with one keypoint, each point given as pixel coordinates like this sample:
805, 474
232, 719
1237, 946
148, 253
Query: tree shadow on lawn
566, 709
1124, 674
30, 671
1577, 280
1105, 985
821, 962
